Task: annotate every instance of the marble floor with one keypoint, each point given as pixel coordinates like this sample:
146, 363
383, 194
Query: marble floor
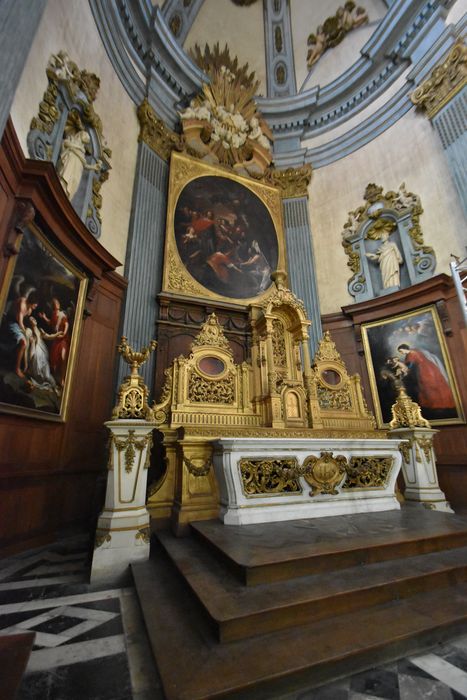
91, 642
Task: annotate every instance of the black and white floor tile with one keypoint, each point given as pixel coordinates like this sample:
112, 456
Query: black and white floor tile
91, 642
86, 637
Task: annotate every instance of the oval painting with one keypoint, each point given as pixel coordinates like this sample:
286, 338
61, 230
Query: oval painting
226, 237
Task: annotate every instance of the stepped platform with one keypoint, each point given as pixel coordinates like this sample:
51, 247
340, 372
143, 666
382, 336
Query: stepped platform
262, 610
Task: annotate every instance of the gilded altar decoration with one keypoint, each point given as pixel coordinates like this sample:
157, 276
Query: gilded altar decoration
384, 243
368, 472
129, 447
133, 393
445, 81
407, 413
68, 132
334, 29
278, 394
155, 133
339, 396
222, 124
324, 473
224, 233
269, 476
410, 370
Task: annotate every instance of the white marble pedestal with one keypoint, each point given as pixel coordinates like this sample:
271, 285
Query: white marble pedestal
419, 468
244, 500
123, 534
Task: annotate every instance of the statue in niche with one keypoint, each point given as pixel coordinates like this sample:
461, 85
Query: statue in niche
392, 221
389, 259
72, 161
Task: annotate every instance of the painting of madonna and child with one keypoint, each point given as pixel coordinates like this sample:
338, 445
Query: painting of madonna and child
38, 330
409, 351
225, 237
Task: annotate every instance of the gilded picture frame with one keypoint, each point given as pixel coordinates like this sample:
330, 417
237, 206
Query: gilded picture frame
224, 233
409, 350
41, 303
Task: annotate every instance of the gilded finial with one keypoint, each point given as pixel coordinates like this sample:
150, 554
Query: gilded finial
132, 357
407, 413
133, 392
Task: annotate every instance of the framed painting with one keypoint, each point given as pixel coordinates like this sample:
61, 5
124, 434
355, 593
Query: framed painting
410, 351
42, 302
224, 233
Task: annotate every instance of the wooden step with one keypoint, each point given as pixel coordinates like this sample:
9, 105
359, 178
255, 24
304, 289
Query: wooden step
194, 666
237, 611
279, 551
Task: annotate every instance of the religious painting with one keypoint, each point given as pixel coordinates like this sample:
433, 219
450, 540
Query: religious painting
42, 304
409, 351
222, 237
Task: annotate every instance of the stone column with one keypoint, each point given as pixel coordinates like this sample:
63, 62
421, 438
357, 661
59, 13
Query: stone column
145, 249
280, 66
444, 98
419, 468
123, 532
293, 184
19, 20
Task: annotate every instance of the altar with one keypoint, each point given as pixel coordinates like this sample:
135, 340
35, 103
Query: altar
267, 480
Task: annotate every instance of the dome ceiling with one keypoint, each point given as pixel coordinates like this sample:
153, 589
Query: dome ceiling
319, 65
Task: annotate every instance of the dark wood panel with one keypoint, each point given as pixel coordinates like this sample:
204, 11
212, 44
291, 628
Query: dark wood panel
49, 471
345, 327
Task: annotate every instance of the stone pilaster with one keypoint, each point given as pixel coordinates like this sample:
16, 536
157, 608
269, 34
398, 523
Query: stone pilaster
293, 184
443, 96
145, 256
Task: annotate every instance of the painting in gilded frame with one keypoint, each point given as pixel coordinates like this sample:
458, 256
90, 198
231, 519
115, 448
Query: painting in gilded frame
409, 351
42, 306
224, 233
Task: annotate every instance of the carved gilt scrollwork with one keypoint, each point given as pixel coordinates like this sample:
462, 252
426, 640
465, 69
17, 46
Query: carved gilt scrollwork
368, 472
269, 476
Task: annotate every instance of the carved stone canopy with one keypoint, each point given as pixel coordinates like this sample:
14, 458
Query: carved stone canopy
386, 216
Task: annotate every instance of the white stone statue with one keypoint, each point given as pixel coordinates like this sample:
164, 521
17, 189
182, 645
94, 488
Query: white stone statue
72, 162
406, 200
318, 45
389, 258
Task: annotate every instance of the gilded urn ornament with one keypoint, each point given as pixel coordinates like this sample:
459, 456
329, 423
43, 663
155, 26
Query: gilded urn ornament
133, 393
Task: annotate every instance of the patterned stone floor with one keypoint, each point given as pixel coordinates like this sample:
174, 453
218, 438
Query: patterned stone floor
91, 642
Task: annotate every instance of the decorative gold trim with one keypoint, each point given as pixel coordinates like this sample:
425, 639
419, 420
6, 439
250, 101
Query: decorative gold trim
292, 182
269, 477
368, 472
203, 470
101, 537
144, 534
446, 80
155, 134
324, 473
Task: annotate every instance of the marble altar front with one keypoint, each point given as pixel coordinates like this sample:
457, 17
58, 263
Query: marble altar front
269, 480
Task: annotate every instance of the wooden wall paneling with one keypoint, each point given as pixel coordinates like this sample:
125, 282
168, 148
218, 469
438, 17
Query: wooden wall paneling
345, 327
49, 471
